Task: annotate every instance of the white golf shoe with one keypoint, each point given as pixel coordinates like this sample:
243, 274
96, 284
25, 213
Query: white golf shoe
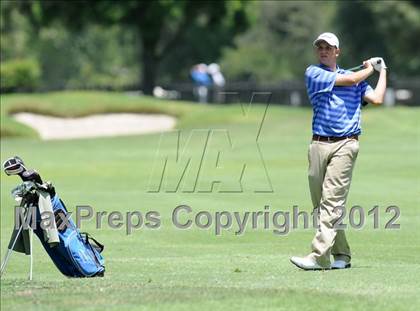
340, 264
306, 263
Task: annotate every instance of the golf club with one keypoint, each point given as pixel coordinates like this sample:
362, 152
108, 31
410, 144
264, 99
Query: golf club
16, 166
361, 66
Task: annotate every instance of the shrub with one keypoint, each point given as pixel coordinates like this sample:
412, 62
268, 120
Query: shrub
19, 75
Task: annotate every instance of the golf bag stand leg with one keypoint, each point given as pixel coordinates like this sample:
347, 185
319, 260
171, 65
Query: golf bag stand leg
31, 261
9, 251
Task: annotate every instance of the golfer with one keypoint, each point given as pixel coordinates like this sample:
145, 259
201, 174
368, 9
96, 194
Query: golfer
336, 96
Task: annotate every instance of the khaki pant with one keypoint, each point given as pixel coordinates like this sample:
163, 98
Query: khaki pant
330, 171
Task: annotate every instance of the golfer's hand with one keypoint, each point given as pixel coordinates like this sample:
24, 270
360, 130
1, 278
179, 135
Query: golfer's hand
368, 65
378, 63
383, 65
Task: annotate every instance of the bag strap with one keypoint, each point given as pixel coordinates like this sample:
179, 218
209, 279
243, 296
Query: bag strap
89, 238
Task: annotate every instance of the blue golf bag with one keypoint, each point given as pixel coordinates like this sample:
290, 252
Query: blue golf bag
77, 254
74, 253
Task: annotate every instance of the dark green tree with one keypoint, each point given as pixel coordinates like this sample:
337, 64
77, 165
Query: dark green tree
381, 28
278, 46
163, 26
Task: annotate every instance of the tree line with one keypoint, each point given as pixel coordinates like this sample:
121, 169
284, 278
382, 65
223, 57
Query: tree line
120, 44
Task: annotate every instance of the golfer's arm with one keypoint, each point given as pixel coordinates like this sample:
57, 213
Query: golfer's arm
353, 78
377, 96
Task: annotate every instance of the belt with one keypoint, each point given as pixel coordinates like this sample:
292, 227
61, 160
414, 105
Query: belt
333, 138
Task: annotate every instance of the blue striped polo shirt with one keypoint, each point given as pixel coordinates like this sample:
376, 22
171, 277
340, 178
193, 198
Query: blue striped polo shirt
336, 108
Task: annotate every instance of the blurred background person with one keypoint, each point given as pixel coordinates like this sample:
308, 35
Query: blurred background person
218, 82
202, 82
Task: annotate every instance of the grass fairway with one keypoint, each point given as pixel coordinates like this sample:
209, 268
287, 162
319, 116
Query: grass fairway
173, 269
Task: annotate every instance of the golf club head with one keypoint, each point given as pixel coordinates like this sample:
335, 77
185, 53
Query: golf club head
14, 166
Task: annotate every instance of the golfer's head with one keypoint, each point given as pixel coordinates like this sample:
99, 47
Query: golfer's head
327, 48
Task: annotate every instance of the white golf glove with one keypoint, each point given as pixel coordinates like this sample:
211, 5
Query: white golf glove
378, 63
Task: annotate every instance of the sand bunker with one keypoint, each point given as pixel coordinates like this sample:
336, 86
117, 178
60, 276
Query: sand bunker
104, 125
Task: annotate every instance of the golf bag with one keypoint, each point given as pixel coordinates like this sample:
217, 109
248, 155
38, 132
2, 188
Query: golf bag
77, 254
74, 253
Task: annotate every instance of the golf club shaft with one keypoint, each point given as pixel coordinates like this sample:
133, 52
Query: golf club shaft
361, 66
31, 261
356, 68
